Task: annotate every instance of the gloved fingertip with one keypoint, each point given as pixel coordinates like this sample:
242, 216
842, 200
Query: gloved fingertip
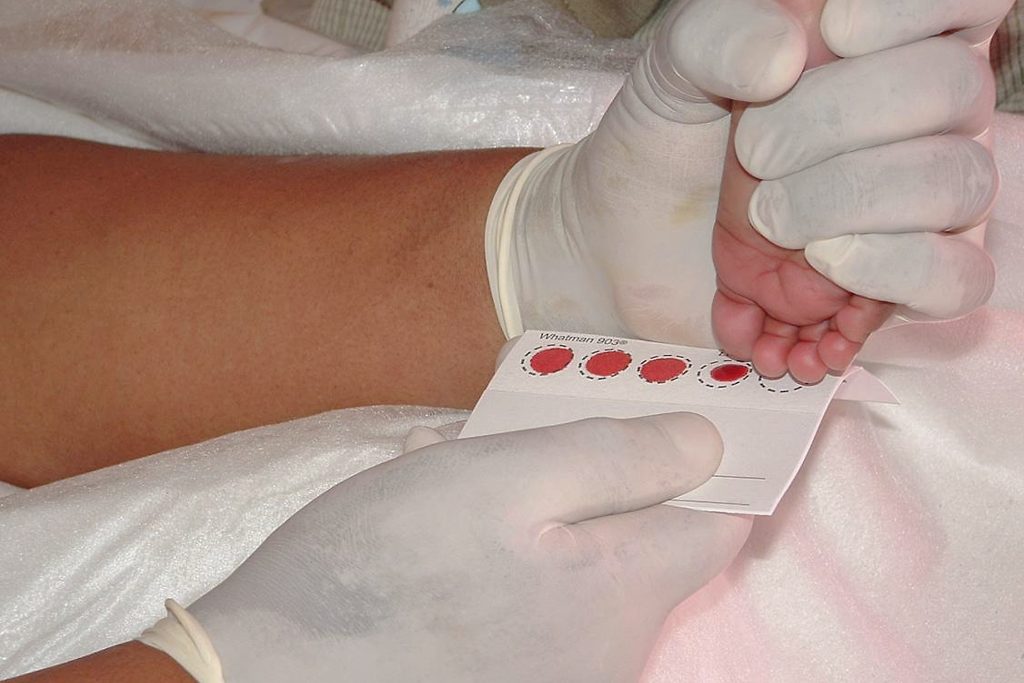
826, 255
770, 214
421, 437
837, 27
696, 439
959, 295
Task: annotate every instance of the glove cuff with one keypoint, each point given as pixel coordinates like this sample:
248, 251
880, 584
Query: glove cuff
498, 240
184, 640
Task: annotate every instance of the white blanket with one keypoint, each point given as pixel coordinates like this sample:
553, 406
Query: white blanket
155, 73
897, 556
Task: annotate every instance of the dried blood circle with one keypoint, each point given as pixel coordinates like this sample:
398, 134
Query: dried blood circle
550, 361
729, 372
608, 363
658, 370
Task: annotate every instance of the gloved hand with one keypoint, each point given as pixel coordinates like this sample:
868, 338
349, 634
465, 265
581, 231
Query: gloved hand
540, 555
613, 234
938, 121
893, 151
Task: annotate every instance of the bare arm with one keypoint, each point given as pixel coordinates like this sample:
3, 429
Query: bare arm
125, 663
153, 299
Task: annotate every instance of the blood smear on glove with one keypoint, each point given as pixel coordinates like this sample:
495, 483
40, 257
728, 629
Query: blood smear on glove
607, 363
551, 360
661, 370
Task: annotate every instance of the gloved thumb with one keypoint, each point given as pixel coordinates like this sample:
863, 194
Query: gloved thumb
710, 51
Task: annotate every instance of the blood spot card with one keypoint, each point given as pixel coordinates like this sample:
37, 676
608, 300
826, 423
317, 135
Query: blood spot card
767, 425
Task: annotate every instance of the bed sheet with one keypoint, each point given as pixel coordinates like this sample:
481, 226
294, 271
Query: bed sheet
522, 74
896, 556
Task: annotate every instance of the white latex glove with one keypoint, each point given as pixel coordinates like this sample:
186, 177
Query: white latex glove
893, 150
540, 555
613, 234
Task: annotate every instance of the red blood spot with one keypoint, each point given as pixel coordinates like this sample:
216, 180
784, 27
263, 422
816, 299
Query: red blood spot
730, 372
608, 363
550, 361
658, 370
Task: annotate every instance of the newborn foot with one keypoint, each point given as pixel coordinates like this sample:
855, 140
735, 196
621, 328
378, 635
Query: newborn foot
771, 306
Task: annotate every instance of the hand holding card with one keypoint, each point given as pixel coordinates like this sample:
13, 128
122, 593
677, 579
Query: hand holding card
767, 425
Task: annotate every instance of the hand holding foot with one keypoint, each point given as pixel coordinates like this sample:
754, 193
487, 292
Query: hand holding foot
612, 235
866, 159
858, 175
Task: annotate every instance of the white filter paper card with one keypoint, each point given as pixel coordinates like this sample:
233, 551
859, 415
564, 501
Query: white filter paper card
767, 426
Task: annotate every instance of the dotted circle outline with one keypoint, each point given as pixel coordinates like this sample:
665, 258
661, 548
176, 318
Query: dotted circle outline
524, 361
640, 367
761, 380
594, 378
717, 384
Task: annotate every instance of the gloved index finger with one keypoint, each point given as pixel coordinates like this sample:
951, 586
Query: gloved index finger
596, 467
707, 52
858, 27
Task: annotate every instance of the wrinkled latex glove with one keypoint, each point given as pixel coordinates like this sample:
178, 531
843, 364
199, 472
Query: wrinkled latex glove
540, 555
893, 152
932, 184
613, 234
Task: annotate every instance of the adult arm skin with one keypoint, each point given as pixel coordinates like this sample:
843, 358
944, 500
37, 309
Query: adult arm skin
125, 663
155, 299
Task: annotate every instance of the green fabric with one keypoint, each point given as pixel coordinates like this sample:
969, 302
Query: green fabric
1008, 61
363, 23
645, 34
611, 18
606, 18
